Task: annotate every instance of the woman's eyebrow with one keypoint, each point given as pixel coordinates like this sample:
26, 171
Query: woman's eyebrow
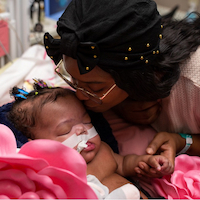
92, 81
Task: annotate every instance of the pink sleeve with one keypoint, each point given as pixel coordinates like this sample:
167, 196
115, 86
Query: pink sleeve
131, 139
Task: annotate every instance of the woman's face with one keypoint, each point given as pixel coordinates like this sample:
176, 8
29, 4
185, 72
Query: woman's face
96, 81
61, 119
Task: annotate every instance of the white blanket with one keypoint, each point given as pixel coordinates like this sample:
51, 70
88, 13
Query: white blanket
34, 63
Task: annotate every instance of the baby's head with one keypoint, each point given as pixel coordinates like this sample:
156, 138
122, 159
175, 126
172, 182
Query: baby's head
52, 113
27, 109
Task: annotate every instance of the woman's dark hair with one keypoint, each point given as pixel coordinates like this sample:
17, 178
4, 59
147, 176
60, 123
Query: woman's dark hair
180, 39
24, 112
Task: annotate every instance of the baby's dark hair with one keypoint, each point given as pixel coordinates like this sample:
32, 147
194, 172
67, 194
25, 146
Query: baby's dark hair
27, 106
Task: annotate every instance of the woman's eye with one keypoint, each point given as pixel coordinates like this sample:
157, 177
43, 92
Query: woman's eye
90, 87
96, 90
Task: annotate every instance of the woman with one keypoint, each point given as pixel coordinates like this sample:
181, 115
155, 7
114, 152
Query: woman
122, 57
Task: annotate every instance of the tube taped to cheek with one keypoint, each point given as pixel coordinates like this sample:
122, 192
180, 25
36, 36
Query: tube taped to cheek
74, 140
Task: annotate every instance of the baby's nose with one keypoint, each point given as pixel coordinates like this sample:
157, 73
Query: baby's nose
80, 129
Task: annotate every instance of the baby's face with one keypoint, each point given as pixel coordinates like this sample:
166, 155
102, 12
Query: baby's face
61, 119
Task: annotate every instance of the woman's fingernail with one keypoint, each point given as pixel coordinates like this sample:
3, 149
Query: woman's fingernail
149, 150
158, 168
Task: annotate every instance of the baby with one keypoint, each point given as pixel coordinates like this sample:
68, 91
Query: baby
56, 114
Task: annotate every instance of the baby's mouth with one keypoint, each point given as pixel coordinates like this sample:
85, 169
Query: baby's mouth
81, 146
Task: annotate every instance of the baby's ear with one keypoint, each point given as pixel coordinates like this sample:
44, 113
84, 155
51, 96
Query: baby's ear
29, 139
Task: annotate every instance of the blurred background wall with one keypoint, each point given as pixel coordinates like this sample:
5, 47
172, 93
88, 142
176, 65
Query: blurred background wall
183, 4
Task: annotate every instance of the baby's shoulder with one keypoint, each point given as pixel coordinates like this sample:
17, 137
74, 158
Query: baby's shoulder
106, 149
106, 154
104, 164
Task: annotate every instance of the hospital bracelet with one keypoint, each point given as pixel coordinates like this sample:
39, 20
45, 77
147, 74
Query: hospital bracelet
189, 141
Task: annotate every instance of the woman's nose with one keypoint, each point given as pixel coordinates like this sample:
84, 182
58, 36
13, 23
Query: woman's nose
81, 96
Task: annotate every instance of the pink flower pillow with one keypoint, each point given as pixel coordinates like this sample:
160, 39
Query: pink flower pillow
42, 169
184, 183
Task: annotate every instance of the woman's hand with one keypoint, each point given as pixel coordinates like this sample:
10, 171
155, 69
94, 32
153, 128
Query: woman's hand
169, 144
166, 144
138, 112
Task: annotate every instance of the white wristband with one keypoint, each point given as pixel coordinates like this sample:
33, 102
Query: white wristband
189, 141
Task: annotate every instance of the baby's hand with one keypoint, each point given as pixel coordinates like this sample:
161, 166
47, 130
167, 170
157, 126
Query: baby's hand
155, 166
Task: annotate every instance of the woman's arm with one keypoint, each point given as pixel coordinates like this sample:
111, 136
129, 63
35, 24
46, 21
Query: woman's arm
169, 144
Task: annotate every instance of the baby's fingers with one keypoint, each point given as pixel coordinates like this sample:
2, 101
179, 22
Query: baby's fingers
144, 170
167, 168
144, 167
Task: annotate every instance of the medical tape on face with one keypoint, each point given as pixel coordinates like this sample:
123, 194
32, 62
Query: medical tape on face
74, 140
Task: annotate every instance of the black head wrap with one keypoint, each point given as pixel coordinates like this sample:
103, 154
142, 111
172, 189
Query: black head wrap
107, 33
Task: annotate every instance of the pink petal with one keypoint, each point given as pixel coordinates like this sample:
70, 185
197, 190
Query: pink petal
57, 155
75, 187
188, 197
19, 161
44, 194
3, 165
193, 162
183, 192
165, 188
169, 197
192, 179
196, 192
177, 179
193, 174
10, 189
19, 178
45, 182
170, 188
7, 139
4, 197
29, 195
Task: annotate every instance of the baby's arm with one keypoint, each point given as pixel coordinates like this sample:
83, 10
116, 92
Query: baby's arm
129, 165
